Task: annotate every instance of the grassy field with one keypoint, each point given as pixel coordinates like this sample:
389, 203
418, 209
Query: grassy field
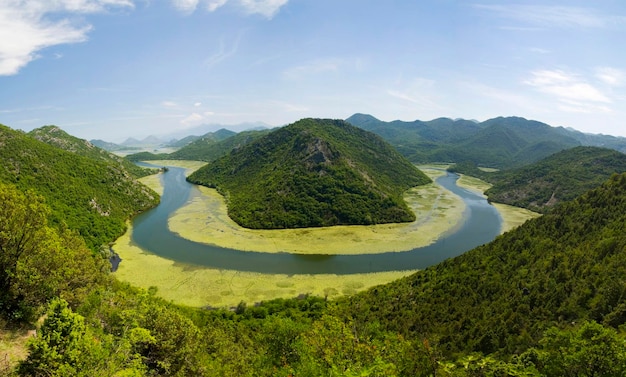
437, 210
199, 286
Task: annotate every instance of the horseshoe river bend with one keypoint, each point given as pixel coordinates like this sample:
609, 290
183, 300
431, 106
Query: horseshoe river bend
481, 223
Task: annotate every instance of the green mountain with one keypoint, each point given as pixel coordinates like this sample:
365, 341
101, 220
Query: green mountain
499, 142
557, 178
313, 173
563, 268
92, 195
55, 136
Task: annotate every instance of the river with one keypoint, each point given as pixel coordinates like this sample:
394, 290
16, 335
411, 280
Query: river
481, 224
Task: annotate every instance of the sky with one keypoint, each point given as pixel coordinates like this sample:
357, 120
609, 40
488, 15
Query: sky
112, 69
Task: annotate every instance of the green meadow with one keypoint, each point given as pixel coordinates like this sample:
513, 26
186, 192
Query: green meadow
205, 219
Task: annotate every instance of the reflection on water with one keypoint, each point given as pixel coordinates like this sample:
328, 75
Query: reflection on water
150, 232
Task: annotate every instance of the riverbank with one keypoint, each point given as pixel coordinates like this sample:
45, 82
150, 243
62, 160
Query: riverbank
205, 219
200, 286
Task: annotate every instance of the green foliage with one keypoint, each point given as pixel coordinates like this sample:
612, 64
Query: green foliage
558, 178
588, 350
499, 142
59, 350
566, 266
38, 262
313, 173
92, 196
57, 137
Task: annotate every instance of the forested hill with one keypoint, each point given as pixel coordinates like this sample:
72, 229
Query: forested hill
502, 142
560, 177
92, 196
557, 178
563, 268
313, 173
57, 137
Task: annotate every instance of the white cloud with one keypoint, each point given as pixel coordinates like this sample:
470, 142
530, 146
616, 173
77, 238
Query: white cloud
212, 5
312, 68
267, 8
197, 104
565, 86
26, 28
611, 76
185, 6
169, 104
418, 91
223, 52
554, 16
192, 120
195, 119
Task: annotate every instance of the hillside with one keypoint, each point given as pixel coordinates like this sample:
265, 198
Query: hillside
503, 142
557, 178
57, 137
564, 268
313, 173
93, 196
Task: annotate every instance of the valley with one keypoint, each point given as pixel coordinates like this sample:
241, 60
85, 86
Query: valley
438, 211
444, 283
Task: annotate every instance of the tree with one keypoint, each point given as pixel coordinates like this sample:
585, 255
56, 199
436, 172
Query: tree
23, 219
39, 262
58, 349
589, 350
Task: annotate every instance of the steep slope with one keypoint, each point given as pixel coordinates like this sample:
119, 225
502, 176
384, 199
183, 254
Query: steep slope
57, 137
562, 268
557, 178
313, 173
93, 196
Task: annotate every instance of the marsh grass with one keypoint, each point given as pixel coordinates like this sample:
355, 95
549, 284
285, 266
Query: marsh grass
205, 218
200, 287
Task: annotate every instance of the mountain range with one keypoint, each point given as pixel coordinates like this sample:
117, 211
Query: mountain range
502, 142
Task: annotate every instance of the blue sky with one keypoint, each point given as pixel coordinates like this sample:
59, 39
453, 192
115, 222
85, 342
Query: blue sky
112, 69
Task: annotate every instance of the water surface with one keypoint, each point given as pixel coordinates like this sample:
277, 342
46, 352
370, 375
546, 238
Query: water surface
481, 224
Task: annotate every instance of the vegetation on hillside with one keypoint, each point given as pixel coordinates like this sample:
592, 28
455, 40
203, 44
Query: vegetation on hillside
564, 268
57, 137
546, 299
503, 142
90, 195
313, 173
560, 177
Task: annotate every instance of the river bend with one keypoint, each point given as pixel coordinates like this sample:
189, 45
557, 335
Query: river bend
481, 224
